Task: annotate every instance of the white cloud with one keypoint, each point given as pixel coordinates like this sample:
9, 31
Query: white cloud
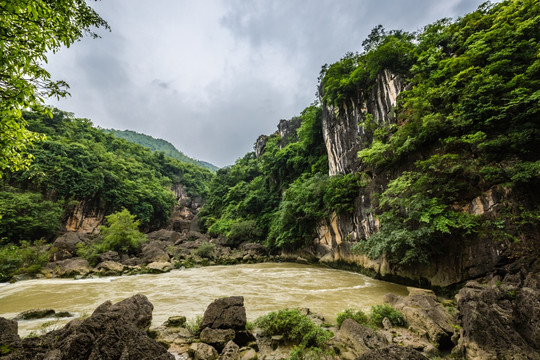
210, 76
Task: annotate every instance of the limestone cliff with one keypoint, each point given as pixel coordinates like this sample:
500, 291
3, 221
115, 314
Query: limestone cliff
346, 131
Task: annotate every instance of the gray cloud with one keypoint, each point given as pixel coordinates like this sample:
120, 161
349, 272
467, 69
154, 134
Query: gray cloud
211, 76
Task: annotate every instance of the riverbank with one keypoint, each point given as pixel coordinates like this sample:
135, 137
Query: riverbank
495, 317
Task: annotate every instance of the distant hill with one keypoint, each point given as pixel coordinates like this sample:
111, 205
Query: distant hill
159, 145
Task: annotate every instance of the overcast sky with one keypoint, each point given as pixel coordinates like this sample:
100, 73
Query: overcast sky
210, 76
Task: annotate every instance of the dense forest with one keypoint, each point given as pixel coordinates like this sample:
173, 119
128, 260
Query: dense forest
77, 163
159, 145
468, 121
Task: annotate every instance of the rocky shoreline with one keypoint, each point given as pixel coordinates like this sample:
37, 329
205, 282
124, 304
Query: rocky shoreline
164, 251
496, 317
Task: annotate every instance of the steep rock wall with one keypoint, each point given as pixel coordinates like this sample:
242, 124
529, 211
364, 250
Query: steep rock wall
345, 133
344, 129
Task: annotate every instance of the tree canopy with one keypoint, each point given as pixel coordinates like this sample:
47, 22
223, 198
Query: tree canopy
29, 30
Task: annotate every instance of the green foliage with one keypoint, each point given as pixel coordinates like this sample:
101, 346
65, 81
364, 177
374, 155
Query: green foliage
356, 315
159, 145
79, 163
379, 312
205, 250
355, 74
295, 328
27, 216
194, 325
244, 198
243, 231
22, 259
28, 31
121, 234
412, 220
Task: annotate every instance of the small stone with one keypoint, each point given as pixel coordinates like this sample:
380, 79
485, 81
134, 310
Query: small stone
35, 314
248, 354
159, 266
175, 321
202, 351
386, 323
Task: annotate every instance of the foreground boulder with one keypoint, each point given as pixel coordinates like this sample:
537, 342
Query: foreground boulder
424, 313
226, 313
500, 319
113, 331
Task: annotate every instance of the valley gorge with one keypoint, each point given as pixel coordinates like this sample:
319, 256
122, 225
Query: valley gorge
417, 164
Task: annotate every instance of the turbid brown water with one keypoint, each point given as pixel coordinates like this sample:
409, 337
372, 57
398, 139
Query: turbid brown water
265, 287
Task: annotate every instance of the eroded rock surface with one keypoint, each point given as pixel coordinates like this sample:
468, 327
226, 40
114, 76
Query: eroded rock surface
500, 318
113, 331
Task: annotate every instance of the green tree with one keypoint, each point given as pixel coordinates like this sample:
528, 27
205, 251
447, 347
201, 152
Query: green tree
121, 234
29, 29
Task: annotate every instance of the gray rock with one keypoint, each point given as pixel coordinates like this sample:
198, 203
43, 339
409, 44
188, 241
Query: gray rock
225, 313
110, 268
9, 337
66, 245
360, 338
248, 354
202, 351
69, 267
175, 321
35, 314
163, 235
230, 352
422, 311
159, 266
392, 352
155, 251
109, 256
113, 331
500, 320
218, 338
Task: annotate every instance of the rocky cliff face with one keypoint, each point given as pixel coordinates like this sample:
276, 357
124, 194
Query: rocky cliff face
346, 130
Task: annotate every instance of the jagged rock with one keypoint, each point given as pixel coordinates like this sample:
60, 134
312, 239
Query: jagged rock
392, 352
9, 338
163, 235
109, 256
230, 351
69, 267
260, 144
422, 311
360, 338
35, 314
254, 248
225, 313
111, 332
66, 246
202, 351
218, 338
243, 337
175, 321
110, 268
500, 319
155, 251
159, 266
248, 354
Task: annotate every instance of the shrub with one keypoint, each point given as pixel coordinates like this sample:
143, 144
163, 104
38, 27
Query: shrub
379, 312
244, 231
121, 235
205, 250
295, 328
23, 259
194, 325
357, 316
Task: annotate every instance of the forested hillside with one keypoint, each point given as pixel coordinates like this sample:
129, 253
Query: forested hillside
77, 163
466, 123
159, 145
